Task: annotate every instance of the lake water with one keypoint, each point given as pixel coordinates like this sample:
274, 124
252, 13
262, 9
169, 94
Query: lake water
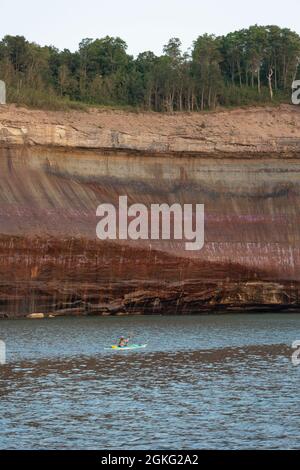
208, 382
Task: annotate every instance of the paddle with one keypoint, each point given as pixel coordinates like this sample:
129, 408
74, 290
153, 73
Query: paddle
130, 336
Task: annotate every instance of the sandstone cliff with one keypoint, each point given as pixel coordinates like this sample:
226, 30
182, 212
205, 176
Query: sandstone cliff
55, 168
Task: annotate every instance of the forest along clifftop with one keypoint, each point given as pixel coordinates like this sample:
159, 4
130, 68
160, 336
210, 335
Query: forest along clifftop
56, 168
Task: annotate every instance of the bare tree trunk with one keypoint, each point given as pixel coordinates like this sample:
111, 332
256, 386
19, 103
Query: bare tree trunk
202, 99
209, 95
240, 73
269, 77
156, 99
258, 79
193, 101
150, 99
180, 99
285, 71
247, 75
215, 100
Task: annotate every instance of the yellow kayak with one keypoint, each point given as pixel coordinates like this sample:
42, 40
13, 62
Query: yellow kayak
131, 346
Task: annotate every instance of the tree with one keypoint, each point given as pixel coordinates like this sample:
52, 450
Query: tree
206, 65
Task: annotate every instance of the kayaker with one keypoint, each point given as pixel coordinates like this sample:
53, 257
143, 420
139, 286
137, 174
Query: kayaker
123, 342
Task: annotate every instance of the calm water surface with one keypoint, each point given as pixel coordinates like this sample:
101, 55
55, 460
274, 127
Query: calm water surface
203, 382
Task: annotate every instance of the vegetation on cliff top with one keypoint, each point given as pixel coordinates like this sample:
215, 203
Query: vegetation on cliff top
250, 66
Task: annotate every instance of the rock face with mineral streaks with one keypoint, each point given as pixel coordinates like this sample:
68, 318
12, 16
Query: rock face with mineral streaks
56, 168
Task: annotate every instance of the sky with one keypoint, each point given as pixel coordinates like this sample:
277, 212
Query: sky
144, 25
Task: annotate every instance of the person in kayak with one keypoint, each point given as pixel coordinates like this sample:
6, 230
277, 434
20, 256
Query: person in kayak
123, 342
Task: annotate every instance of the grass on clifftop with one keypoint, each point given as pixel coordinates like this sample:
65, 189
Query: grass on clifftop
235, 97
49, 101
45, 100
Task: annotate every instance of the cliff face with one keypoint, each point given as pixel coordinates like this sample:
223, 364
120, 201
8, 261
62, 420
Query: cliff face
56, 168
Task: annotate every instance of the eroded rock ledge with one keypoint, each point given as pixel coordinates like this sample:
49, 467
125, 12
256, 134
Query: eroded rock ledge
55, 168
273, 131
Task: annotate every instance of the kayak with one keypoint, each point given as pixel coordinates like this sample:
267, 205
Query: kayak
131, 346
